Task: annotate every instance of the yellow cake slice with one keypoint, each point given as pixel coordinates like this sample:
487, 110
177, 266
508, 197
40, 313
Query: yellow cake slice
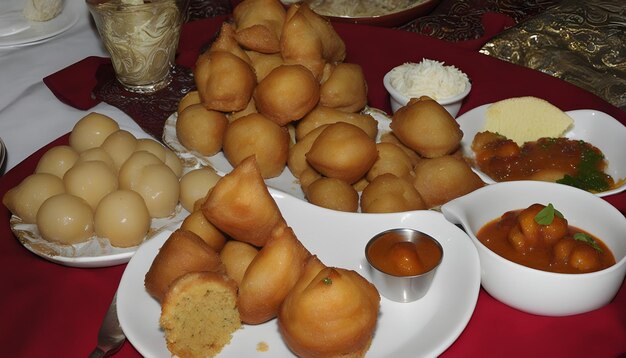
524, 119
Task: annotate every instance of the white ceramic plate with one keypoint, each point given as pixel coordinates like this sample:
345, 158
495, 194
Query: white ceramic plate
422, 328
594, 127
285, 181
16, 30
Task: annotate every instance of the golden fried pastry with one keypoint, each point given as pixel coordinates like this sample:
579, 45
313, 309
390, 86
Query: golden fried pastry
201, 130
297, 152
236, 257
307, 177
65, 219
426, 127
330, 314
91, 130
442, 179
92, 181
120, 145
25, 199
123, 218
225, 82
390, 137
192, 97
391, 159
333, 194
199, 225
182, 252
199, 314
195, 184
226, 41
343, 151
345, 89
287, 94
241, 205
250, 108
259, 24
270, 276
57, 160
321, 115
257, 135
388, 193
263, 63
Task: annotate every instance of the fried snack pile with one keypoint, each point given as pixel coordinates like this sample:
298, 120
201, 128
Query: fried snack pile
274, 84
322, 311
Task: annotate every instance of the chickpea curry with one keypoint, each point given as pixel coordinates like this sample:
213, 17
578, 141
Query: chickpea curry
562, 160
541, 238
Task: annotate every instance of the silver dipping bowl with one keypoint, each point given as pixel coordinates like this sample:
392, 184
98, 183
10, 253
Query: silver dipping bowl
402, 288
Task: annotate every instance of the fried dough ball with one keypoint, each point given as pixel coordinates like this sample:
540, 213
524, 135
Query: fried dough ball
343, 151
257, 135
345, 89
391, 159
263, 64
426, 127
442, 179
92, 181
130, 171
225, 82
321, 115
310, 40
297, 153
270, 276
241, 206
250, 108
158, 186
192, 97
195, 184
57, 160
97, 154
259, 24
123, 218
25, 199
201, 130
390, 137
329, 314
182, 252
307, 177
333, 194
236, 256
120, 145
199, 225
287, 94
91, 130
227, 42
65, 219
388, 193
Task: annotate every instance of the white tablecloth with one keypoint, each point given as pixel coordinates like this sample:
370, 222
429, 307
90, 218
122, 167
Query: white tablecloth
30, 115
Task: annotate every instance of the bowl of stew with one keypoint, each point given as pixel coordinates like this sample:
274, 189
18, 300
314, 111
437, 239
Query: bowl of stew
538, 264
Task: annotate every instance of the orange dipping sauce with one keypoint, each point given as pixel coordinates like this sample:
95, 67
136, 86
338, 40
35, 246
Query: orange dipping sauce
391, 253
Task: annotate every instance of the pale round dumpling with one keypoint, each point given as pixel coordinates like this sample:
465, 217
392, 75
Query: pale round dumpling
120, 145
151, 146
57, 160
25, 199
195, 184
91, 181
158, 186
131, 170
91, 131
97, 154
174, 162
123, 218
65, 219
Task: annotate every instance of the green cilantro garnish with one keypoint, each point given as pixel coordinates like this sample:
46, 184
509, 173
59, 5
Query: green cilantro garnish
546, 215
588, 177
581, 236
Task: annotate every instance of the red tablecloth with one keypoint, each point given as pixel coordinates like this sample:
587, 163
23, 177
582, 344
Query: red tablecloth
49, 310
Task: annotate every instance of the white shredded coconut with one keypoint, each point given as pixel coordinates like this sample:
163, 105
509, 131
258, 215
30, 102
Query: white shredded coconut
428, 78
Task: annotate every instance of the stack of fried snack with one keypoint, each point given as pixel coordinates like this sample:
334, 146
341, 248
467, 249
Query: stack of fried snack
243, 263
274, 84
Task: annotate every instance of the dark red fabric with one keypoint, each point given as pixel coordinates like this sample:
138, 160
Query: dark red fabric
52, 310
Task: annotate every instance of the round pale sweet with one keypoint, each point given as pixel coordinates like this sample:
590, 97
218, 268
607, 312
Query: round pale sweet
151, 146
120, 145
158, 186
57, 160
174, 162
65, 219
25, 199
131, 170
97, 154
91, 131
195, 185
123, 218
91, 181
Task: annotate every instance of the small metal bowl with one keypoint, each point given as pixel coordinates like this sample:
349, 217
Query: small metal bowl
396, 287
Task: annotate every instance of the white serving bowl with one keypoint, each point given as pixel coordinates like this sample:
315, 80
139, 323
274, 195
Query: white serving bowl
535, 291
398, 100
